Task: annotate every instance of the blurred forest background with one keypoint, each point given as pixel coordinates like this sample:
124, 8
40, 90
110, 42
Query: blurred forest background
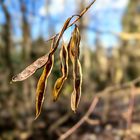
110, 56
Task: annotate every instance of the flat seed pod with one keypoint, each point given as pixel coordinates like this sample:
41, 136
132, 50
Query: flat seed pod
41, 86
76, 94
64, 69
77, 71
73, 47
31, 69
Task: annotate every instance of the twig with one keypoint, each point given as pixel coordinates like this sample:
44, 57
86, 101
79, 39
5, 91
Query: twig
79, 16
93, 122
81, 121
60, 121
94, 102
117, 87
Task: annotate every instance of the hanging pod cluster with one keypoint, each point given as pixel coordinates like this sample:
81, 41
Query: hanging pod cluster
67, 52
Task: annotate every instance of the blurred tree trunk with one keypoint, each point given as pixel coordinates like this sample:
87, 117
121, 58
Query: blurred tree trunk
131, 19
26, 50
85, 50
7, 40
131, 24
8, 67
29, 84
51, 31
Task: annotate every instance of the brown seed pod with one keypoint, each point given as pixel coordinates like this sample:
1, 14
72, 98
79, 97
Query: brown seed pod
76, 94
77, 71
64, 69
42, 82
31, 69
41, 86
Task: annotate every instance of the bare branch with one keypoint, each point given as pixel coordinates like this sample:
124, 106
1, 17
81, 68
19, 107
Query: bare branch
82, 120
78, 18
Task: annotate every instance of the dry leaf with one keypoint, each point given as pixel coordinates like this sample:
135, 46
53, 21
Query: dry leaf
64, 68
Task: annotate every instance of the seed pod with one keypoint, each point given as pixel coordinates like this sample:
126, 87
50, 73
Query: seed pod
64, 69
76, 94
41, 86
31, 69
77, 71
42, 83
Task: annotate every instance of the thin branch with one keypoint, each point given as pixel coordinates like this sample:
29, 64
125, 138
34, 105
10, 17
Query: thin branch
81, 121
79, 17
60, 121
94, 102
118, 87
82, 13
93, 122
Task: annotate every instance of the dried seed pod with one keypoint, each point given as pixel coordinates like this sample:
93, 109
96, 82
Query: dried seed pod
42, 83
77, 71
41, 86
31, 69
64, 68
76, 94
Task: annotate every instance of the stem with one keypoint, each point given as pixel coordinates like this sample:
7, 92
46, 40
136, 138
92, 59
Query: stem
79, 17
81, 121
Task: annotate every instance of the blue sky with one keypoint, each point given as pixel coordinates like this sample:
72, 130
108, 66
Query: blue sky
104, 15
